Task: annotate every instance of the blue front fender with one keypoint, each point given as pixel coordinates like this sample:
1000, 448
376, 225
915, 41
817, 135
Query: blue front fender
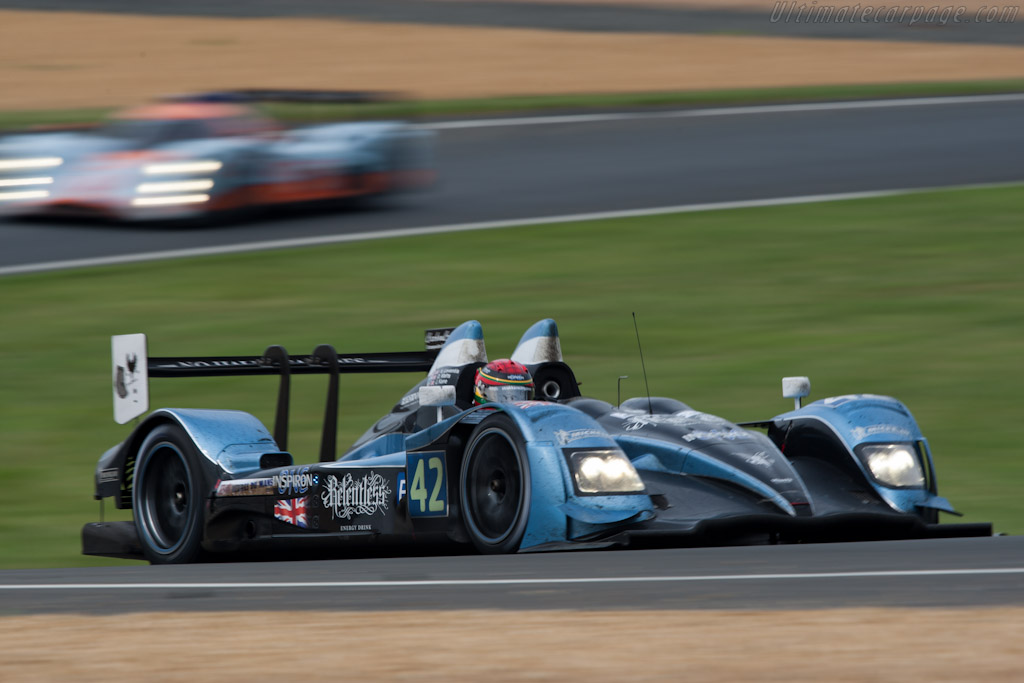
548, 428
868, 418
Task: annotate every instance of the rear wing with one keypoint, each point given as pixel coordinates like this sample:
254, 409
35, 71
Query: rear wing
256, 95
133, 367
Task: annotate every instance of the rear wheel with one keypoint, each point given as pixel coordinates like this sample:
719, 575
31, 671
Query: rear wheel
167, 498
495, 486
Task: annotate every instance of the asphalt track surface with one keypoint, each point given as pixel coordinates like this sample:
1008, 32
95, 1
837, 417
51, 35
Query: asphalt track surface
787, 21
551, 166
976, 572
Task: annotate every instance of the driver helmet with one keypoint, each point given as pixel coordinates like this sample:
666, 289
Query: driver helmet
502, 381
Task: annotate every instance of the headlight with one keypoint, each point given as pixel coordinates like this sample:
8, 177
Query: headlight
39, 162
22, 182
183, 167
603, 471
175, 186
893, 464
171, 200
174, 192
22, 195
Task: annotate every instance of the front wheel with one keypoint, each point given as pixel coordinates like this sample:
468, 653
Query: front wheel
166, 497
495, 486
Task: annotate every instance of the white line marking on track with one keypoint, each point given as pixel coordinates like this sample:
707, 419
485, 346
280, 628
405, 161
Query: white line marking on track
722, 111
469, 583
464, 227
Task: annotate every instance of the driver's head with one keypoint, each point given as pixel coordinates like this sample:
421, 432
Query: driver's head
502, 381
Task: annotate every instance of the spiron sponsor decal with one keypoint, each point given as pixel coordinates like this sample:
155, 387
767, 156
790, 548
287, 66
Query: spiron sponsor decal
290, 482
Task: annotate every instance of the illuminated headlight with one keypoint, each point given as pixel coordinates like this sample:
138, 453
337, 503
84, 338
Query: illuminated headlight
175, 186
39, 162
893, 464
603, 471
23, 194
22, 182
183, 167
171, 200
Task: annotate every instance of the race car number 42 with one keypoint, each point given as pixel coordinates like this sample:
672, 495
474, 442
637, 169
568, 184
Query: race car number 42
428, 485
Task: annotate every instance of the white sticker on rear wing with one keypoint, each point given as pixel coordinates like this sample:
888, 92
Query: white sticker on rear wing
130, 376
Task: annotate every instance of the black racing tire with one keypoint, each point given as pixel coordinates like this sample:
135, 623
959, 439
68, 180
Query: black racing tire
494, 486
167, 500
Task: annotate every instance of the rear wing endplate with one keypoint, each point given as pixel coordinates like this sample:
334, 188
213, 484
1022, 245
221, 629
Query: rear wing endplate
132, 367
131, 377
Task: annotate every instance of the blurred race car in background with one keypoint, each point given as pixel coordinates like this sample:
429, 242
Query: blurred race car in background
208, 155
506, 475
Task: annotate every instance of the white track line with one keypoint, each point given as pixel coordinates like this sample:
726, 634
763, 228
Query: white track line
464, 227
469, 583
722, 111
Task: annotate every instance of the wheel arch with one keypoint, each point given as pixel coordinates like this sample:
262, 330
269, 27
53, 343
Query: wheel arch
129, 453
230, 441
504, 466
170, 485
555, 508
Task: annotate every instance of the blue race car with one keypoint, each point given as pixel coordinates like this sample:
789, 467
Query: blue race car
512, 474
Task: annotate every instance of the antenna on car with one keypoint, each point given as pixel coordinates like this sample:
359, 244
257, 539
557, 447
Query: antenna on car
650, 408
618, 393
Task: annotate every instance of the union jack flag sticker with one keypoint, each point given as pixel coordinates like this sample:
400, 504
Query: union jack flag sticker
292, 511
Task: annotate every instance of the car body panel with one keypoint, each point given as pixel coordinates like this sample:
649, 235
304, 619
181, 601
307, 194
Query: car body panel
857, 419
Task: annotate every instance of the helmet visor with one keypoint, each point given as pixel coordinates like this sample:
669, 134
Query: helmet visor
506, 393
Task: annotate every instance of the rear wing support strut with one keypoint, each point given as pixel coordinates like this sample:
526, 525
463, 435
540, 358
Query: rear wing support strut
326, 355
278, 354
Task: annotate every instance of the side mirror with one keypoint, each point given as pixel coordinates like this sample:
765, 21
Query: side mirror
439, 396
796, 388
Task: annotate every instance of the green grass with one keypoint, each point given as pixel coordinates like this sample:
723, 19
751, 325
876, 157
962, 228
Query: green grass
918, 296
299, 113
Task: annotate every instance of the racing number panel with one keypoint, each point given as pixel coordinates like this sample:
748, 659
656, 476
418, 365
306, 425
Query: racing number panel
426, 485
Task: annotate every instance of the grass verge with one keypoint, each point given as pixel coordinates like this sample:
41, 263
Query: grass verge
915, 296
300, 113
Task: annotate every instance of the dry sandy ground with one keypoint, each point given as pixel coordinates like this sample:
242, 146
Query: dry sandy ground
695, 646
57, 60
